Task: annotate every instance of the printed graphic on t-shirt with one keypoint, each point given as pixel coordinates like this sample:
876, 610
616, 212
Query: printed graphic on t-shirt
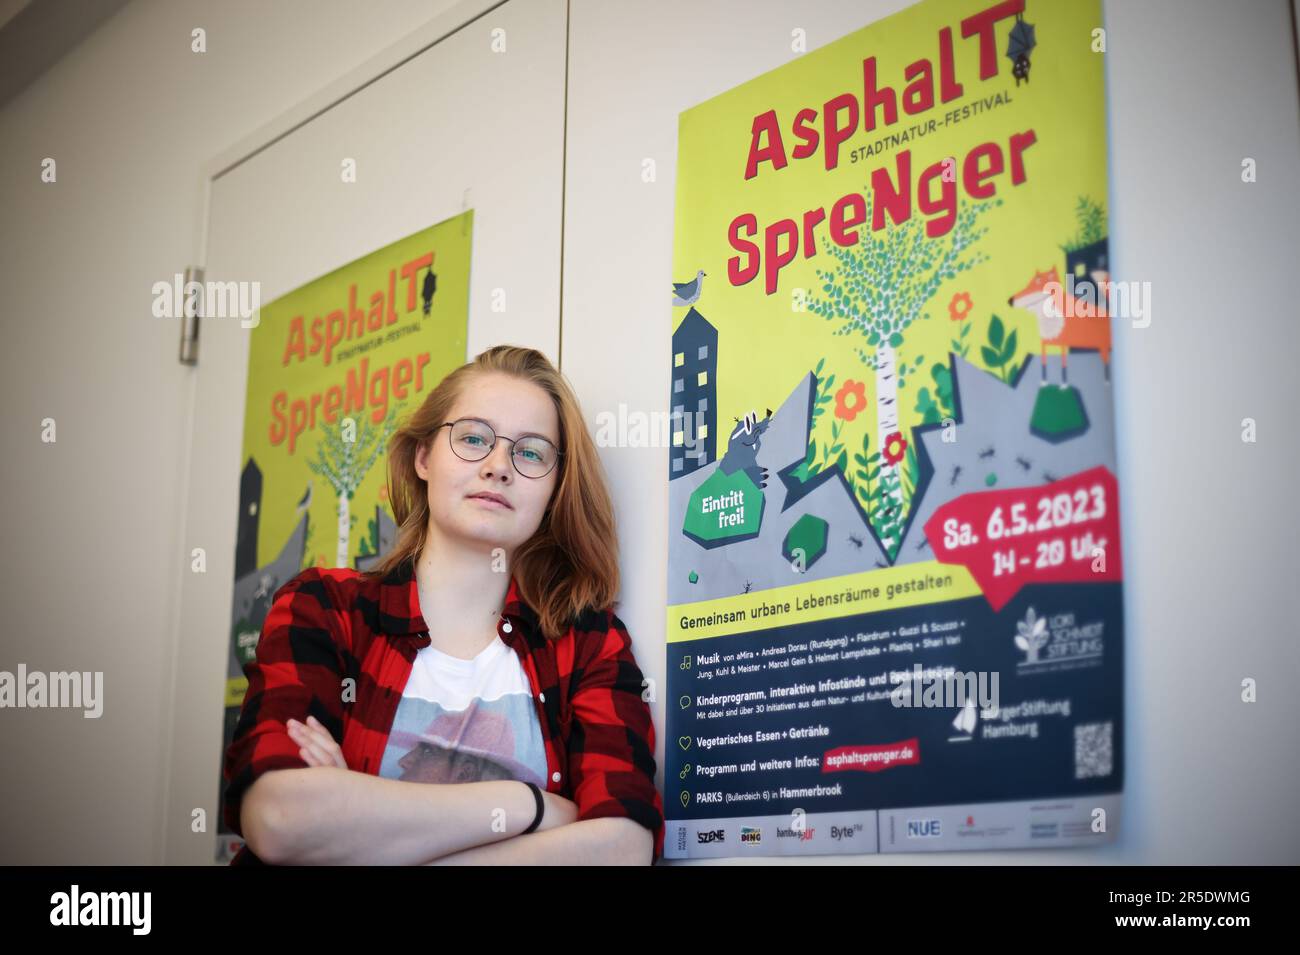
462, 721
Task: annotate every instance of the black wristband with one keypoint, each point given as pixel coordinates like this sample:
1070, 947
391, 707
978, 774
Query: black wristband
537, 794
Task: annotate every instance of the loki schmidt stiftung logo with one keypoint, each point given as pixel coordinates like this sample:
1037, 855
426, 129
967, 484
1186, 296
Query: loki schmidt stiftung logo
1058, 641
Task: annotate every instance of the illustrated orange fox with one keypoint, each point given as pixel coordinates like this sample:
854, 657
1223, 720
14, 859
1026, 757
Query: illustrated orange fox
1066, 321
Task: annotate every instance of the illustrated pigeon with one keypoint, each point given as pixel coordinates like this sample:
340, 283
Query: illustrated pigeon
688, 293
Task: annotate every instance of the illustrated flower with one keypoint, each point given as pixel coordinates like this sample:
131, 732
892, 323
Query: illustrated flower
850, 399
894, 448
960, 306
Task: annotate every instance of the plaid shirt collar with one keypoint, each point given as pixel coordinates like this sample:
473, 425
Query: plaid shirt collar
399, 605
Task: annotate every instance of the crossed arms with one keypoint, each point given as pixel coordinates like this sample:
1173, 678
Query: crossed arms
328, 814
294, 799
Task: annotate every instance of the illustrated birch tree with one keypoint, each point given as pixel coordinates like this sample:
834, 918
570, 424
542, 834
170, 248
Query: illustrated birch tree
878, 289
343, 459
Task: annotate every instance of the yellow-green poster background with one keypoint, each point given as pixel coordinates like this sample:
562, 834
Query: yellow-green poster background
359, 343
441, 336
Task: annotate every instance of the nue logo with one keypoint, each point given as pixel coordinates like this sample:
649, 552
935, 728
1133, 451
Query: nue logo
923, 829
102, 908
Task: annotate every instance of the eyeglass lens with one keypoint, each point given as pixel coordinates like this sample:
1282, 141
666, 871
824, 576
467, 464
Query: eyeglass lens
472, 440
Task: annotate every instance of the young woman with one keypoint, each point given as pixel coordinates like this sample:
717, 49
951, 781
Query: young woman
480, 657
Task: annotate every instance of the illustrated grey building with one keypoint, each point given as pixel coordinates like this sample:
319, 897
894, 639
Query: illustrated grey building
250, 502
1081, 263
693, 425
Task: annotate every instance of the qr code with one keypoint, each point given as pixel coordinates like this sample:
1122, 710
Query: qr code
1093, 750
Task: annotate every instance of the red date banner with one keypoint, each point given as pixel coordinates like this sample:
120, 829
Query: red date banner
1063, 532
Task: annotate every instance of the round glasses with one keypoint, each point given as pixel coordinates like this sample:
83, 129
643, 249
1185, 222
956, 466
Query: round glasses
473, 440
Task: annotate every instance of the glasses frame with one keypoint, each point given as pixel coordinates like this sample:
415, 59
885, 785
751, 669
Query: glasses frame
500, 437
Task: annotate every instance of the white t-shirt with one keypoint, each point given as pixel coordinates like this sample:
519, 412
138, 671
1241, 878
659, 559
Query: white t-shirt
462, 721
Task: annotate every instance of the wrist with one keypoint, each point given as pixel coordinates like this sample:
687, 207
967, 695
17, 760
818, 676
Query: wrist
537, 805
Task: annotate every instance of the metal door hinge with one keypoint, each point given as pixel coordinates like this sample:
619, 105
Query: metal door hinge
191, 312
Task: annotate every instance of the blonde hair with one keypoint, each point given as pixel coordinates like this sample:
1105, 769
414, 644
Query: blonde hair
570, 565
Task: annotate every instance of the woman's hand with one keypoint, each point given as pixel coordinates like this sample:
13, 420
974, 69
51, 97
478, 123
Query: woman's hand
317, 745
319, 749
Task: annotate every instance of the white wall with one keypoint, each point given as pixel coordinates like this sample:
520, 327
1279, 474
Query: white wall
1209, 524
132, 117
90, 572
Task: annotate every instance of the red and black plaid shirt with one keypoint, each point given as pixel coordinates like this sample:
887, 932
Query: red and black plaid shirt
329, 624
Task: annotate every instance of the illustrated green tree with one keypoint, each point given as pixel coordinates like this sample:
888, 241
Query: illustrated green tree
879, 288
1091, 216
369, 545
344, 456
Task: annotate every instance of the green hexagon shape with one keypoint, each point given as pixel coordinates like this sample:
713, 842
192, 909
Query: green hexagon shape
725, 508
807, 535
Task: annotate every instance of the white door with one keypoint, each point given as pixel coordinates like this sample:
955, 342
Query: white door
474, 121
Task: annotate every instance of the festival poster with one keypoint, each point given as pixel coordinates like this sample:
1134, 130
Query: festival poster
894, 617
333, 367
